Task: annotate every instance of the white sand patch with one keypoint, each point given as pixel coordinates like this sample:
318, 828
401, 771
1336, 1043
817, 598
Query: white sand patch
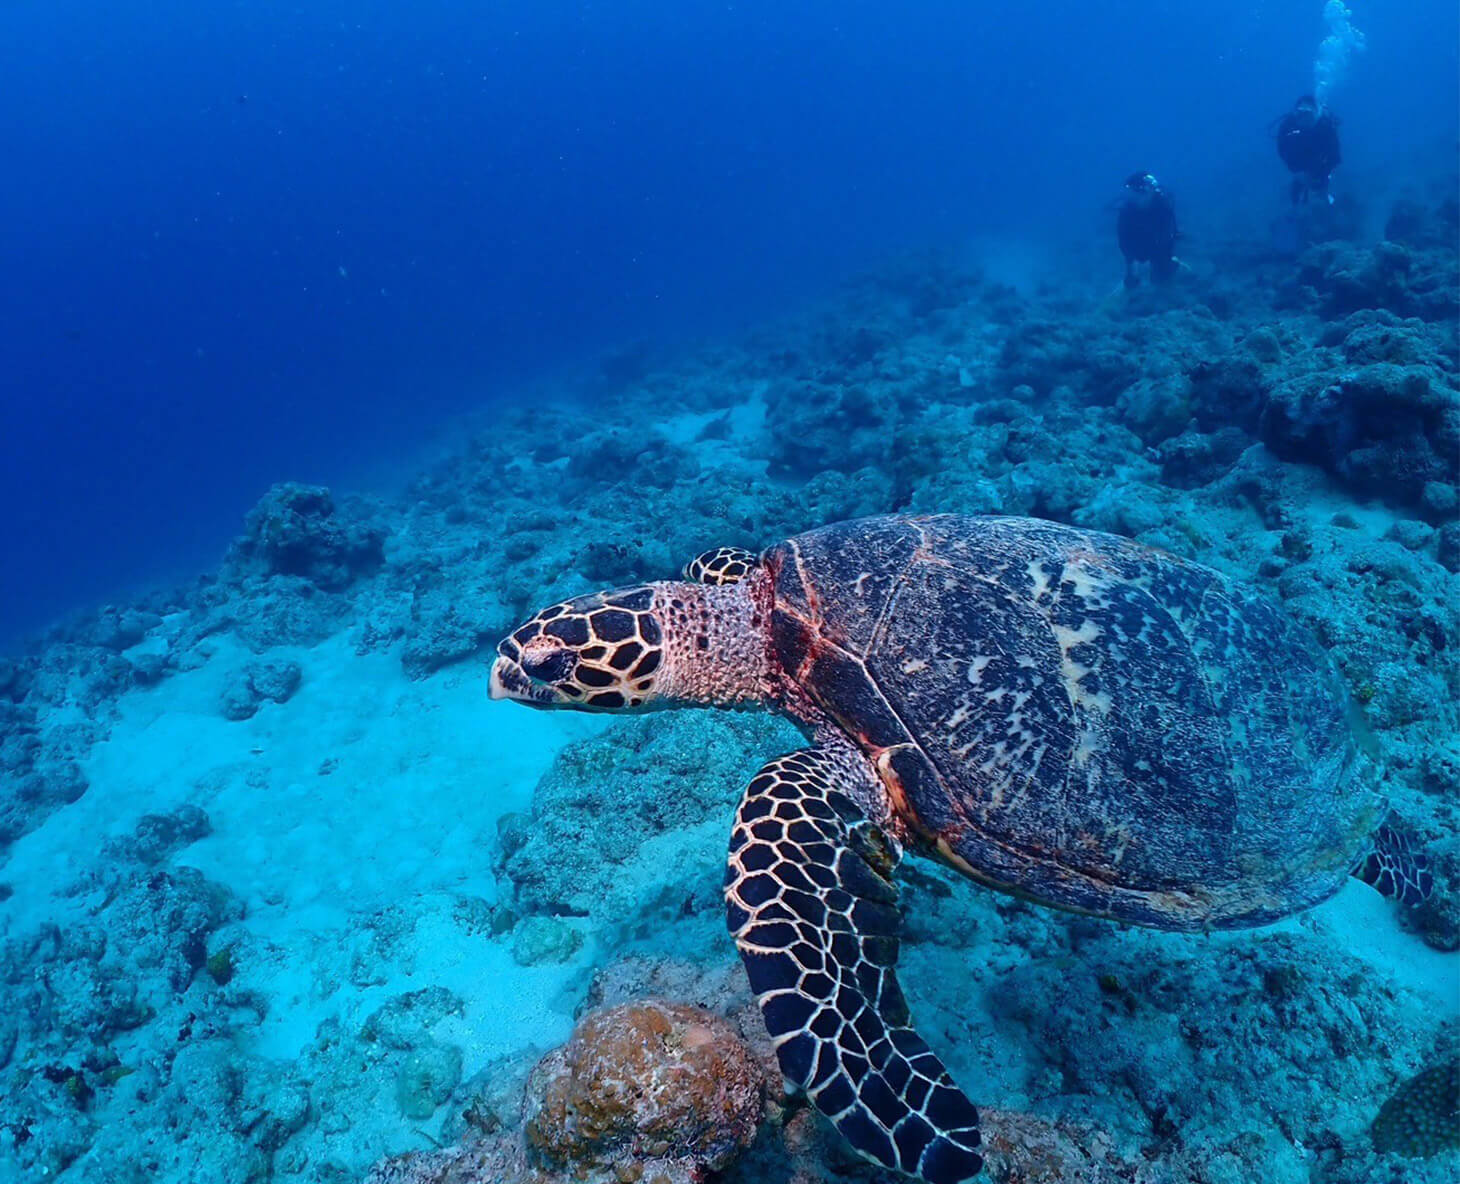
506, 1007
362, 794
737, 448
363, 789
1361, 922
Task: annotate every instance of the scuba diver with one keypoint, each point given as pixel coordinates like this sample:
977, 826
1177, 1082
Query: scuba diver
1307, 140
1146, 229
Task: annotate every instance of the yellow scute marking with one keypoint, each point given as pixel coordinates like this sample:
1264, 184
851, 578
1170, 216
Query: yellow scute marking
1040, 577
1087, 747
1084, 635
1072, 671
1084, 582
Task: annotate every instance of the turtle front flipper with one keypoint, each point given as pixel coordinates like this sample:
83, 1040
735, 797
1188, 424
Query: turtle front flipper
723, 565
1391, 863
814, 910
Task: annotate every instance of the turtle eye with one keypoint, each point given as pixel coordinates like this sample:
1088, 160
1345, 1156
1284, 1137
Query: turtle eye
551, 667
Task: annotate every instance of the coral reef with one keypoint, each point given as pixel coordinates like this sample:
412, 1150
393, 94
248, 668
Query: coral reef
296, 530
458, 882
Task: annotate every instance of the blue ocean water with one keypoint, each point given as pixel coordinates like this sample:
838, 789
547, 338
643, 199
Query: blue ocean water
337, 341
258, 241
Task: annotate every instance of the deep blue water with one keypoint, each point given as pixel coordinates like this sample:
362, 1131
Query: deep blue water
243, 242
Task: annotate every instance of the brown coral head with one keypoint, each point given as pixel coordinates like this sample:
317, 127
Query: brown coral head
646, 1083
1422, 1119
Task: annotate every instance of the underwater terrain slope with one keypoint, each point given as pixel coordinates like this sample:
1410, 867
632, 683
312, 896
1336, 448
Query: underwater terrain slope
283, 897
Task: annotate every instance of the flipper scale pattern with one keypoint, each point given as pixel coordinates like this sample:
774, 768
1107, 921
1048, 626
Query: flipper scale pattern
812, 905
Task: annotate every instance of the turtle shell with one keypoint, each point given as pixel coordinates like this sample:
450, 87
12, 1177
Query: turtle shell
1078, 719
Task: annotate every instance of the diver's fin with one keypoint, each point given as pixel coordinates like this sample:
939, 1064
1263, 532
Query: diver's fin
1115, 299
1391, 864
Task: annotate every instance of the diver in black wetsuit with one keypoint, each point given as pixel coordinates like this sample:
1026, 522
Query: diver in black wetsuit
1146, 229
1307, 140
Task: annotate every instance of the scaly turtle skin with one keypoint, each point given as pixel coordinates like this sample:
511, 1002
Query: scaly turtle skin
1059, 714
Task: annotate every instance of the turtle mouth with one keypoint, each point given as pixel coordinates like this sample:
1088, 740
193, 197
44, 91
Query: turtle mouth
509, 681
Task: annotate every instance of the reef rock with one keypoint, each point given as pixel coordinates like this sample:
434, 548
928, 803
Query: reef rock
271, 679
650, 1082
296, 530
646, 1091
1386, 430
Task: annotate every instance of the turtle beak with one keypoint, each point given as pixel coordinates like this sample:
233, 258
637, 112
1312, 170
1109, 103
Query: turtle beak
497, 686
509, 681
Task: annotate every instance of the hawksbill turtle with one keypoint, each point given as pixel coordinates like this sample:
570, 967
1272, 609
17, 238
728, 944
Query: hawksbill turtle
1060, 714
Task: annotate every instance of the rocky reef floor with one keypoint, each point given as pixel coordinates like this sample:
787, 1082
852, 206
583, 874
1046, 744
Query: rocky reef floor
284, 897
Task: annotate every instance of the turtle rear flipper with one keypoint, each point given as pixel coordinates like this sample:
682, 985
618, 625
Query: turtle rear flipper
1392, 864
815, 913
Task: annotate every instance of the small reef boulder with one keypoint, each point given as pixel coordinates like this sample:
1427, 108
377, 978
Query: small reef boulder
157, 837
589, 850
1385, 430
667, 1086
540, 940
645, 1091
270, 679
36, 776
297, 530
426, 1078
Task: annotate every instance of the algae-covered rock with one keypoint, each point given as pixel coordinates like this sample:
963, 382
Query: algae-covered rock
439, 642
270, 679
220, 966
426, 1078
121, 628
650, 1081
163, 919
490, 1101
274, 1105
603, 799
1449, 546
405, 1021
540, 940
157, 836
444, 629
297, 530
646, 1091
1385, 430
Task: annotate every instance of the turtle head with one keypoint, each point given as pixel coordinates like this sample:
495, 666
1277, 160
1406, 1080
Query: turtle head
692, 642
601, 652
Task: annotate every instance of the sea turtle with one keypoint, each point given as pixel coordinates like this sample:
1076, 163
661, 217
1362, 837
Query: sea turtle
1060, 714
